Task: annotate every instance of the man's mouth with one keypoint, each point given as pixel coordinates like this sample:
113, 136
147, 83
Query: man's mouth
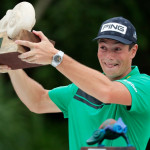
110, 65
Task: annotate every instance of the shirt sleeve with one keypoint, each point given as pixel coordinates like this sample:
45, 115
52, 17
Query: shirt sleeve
62, 96
139, 89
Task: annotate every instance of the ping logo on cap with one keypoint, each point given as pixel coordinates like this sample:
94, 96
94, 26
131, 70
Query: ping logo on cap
114, 27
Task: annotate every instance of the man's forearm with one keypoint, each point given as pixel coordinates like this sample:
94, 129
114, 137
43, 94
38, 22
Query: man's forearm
27, 89
89, 80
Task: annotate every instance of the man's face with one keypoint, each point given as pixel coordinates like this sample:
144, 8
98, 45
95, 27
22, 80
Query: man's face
115, 58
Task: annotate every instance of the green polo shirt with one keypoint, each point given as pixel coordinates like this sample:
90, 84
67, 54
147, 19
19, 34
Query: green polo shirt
85, 113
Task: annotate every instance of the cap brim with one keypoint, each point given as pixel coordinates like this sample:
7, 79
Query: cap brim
120, 39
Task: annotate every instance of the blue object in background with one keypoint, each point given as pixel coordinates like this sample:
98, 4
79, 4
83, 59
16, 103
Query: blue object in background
110, 129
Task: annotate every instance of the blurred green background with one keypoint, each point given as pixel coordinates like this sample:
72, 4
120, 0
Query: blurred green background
72, 24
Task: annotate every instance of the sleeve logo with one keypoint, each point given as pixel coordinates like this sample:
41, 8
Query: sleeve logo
132, 85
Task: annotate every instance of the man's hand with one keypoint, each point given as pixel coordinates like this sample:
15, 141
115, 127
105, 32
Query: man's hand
40, 53
4, 69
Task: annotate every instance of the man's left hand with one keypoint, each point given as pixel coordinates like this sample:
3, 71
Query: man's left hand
40, 53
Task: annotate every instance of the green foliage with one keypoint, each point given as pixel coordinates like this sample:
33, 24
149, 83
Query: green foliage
72, 24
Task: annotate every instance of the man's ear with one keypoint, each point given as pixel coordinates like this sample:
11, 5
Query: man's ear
134, 50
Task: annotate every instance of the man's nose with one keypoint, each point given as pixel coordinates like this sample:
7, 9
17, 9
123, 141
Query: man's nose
110, 54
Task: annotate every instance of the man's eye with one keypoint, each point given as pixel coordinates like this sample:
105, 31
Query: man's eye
117, 49
103, 47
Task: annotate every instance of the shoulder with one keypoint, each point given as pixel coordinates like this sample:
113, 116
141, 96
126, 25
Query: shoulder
140, 79
139, 87
139, 83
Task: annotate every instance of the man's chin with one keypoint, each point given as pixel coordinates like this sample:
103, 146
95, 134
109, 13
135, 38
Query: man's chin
112, 75
111, 72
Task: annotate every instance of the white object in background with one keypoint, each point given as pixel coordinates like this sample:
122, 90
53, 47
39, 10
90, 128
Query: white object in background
22, 16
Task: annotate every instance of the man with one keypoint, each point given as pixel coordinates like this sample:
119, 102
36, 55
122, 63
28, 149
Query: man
93, 97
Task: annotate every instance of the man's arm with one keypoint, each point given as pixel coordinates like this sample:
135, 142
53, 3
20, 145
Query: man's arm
95, 83
31, 93
89, 80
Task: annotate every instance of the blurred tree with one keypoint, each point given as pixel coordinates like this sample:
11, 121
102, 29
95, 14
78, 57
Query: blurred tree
40, 8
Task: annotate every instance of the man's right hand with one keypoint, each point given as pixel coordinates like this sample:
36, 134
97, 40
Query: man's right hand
4, 69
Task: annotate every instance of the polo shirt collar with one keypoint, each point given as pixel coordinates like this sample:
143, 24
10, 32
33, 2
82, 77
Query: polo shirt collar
134, 71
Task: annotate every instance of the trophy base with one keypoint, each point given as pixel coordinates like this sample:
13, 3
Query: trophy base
12, 60
108, 148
